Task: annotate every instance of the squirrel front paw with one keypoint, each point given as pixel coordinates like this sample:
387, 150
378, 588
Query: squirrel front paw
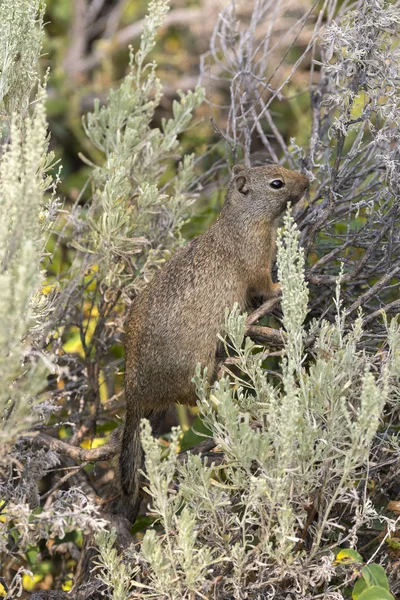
275, 290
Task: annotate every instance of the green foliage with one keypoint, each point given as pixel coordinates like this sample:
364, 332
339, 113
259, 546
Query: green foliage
70, 510
112, 571
376, 593
24, 182
291, 262
373, 585
132, 218
21, 33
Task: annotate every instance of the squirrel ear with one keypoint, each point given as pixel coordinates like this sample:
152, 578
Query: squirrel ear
241, 184
238, 169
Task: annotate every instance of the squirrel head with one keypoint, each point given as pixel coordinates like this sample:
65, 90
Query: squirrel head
266, 190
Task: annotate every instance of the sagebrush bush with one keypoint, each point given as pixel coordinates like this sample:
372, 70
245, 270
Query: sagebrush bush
29, 207
21, 33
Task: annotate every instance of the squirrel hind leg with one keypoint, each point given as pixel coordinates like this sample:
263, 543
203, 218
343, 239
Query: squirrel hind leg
157, 419
129, 508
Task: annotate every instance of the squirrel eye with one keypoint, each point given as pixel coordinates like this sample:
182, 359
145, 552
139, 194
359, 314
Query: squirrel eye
277, 184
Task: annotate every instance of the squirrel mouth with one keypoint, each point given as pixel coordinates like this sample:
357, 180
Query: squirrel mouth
295, 198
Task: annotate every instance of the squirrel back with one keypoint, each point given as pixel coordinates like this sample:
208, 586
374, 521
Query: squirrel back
173, 325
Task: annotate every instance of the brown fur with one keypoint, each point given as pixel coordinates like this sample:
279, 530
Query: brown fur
173, 325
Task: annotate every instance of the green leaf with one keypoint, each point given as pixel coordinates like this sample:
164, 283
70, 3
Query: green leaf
376, 593
143, 522
375, 575
359, 587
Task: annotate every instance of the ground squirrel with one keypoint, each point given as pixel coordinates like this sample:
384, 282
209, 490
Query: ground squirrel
173, 325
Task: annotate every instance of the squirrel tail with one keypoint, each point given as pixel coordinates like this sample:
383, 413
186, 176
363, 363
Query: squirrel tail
130, 462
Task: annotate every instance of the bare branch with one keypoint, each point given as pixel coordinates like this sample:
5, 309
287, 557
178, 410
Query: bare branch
181, 16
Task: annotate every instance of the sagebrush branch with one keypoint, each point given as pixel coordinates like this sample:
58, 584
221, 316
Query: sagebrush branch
78, 454
265, 308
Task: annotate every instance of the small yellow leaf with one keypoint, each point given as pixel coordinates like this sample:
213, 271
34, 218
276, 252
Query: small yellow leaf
347, 557
95, 443
29, 581
67, 585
